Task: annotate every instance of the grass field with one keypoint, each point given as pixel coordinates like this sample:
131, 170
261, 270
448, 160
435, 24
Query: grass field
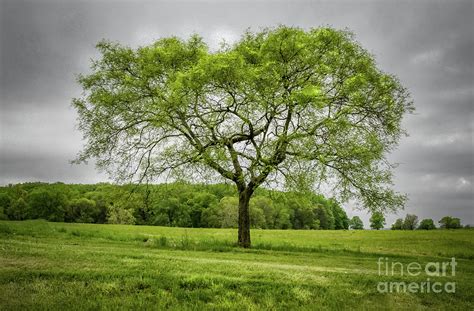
86, 266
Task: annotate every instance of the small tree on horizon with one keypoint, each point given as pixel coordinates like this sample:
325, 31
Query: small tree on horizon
280, 107
410, 222
377, 221
427, 224
356, 223
449, 222
398, 224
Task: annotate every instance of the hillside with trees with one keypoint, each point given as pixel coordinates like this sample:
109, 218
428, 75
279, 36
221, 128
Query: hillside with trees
174, 205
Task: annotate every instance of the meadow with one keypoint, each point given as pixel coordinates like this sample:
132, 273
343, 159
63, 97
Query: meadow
50, 266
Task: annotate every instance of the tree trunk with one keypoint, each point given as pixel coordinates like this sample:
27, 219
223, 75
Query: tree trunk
244, 218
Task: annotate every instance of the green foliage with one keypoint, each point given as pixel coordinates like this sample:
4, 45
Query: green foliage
341, 221
398, 224
117, 215
176, 204
427, 224
448, 222
302, 216
225, 213
356, 223
377, 221
264, 207
82, 210
410, 222
197, 202
5, 203
257, 217
228, 209
282, 217
99, 198
18, 210
49, 203
321, 218
284, 104
299, 108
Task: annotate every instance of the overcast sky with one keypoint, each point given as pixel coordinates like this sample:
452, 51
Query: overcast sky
429, 45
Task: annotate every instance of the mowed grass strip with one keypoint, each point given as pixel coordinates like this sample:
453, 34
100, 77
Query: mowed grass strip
76, 266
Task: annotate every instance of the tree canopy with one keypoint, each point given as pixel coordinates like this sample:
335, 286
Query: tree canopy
280, 106
410, 222
449, 222
398, 224
427, 224
377, 221
356, 223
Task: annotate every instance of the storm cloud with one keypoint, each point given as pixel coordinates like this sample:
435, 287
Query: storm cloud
427, 44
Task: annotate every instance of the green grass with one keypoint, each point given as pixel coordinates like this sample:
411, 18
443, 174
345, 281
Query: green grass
83, 266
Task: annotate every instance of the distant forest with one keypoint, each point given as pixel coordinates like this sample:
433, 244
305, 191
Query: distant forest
175, 205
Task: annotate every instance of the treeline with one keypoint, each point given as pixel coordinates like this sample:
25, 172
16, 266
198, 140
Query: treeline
411, 223
176, 205
377, 222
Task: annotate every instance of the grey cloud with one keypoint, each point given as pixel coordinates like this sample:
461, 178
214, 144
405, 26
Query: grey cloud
443, 155
29, 167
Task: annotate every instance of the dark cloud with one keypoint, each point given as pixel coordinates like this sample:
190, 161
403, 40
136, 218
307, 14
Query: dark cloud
427, 44
36, 166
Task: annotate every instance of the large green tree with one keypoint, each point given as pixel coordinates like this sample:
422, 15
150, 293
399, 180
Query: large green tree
283, 105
